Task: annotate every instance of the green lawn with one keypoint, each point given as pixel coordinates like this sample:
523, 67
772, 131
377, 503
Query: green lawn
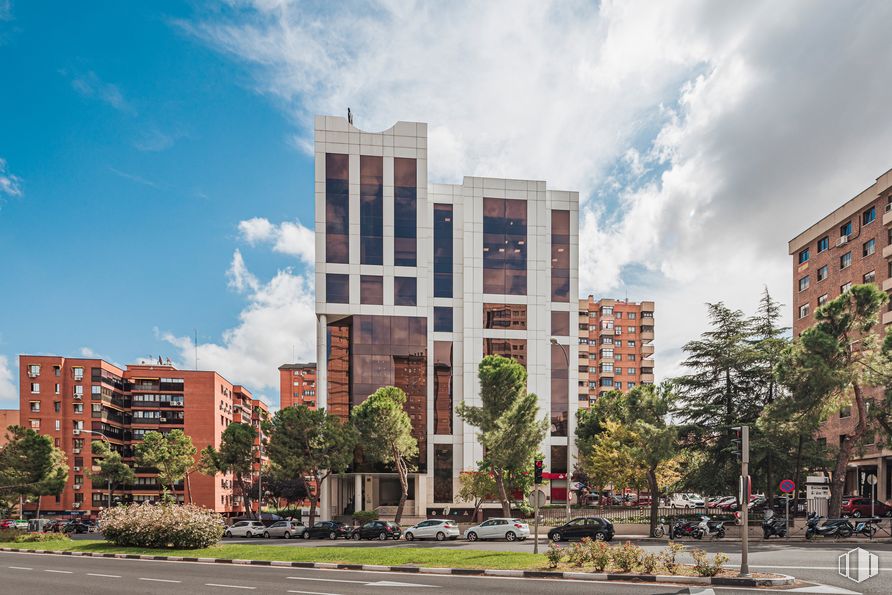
427, 557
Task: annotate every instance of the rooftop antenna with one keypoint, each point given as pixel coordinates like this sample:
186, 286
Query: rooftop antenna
349, 116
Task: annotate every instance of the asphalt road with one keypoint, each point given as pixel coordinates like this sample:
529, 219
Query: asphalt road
38, 574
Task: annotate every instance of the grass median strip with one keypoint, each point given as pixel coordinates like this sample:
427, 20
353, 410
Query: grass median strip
427, 557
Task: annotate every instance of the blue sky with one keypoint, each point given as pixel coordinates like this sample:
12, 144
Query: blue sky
155, 175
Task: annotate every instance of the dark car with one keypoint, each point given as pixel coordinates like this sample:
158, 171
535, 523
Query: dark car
327, 529
860, 507
593, 527
381, 530
76, 527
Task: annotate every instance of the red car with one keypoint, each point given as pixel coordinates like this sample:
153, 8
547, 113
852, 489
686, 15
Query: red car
7, 524
860, 507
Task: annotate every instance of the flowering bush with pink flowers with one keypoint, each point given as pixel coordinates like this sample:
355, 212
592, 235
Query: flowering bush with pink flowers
181, 526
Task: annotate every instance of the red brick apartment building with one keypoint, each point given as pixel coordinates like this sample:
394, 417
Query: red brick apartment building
297, 385
615, 346
77, 401
851, 245
8, 417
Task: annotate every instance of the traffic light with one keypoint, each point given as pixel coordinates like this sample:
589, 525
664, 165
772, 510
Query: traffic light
737, 441
741, 442
537, 474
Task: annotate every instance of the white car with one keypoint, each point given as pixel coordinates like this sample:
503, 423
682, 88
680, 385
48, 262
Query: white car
286, 529
245, 529
687, 501
510, 529
439, 529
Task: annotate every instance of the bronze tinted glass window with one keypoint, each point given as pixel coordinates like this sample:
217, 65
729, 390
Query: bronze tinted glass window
558, 459
371, 209
371, 290
504, 246
442, 319
405, 291
560, 256
560, 324
505, 316
337, 288
443, 387
339, 340
515, 349
443, 473
405, 219
337, 222
560, 388
442, 250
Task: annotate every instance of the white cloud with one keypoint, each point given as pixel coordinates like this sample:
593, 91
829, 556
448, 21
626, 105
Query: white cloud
90, 85
278, 323
10, 185
9, 392
288, 237
701, 135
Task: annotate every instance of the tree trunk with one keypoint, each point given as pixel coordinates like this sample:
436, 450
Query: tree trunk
314, 498
404, 485
189, 486
654, 495
477, 506
503, 494
845, 453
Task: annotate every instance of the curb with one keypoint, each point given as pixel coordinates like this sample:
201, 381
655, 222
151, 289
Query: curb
540, 574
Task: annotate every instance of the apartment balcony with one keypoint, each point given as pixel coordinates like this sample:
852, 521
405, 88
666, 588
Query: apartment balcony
887, 284
606, 373
647, 333
648, 378
647, 349
887, 215
887, 251
887, 317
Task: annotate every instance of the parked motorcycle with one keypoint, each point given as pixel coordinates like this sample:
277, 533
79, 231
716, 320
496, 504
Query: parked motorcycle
773, 524
683, 528
866, 528
840, 528
707, 528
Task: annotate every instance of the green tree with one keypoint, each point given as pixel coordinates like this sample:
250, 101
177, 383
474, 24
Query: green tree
280, 486
309, 443
113, 471
832, 363
30, 466
235, 457
476, 487
172, 454
386, 435
507, 419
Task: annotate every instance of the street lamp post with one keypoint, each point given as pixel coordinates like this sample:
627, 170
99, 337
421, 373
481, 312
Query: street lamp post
107, 441
569, 468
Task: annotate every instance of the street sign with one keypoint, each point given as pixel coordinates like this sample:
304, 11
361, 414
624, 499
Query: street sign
532, 497
787, 486
871, 479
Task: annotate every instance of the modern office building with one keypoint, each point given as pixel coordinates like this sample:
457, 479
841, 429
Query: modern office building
297, 385
417, 282
77, 401
615, 346
851, 245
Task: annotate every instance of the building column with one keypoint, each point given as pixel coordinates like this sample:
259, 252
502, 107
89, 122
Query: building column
421, 499
322, 362
325, 499
882, 495
358, 500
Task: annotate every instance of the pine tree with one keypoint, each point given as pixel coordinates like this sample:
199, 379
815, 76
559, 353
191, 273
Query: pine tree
236, 457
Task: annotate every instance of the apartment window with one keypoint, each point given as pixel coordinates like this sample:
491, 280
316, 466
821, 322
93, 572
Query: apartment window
34, 370
337, 288
79, 391
845, 411
632, 343
845, 287
96, 389
607, 340
631, 357
35, 424
337, 209
618, 357
618, 371
78, 407
630, 385
869, 247
58, 389
845, 229
78, 374
631, 329
607, 382
633, 315
869, 215
442, 250
607, 311
870, 277
803, 256
442, 319
371, 290
823, 299
57, 406
57, 370
803, 310
560, 256
618, 314
823, 272
633, 371
823, 244
405, 291
803, 283
845, 261
606, 367
34, 406
35, 388
58, 425
606, 353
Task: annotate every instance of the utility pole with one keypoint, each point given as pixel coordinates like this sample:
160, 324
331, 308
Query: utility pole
744, 453
537, 479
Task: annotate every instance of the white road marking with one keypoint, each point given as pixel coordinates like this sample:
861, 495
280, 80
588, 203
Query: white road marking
20, 568
104, 575
158, 580
326, 580
59, 571
396, 584
228, 586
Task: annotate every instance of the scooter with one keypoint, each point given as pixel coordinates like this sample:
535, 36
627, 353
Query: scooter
683, 528
840, 528
707, 527
773, 524
866, 528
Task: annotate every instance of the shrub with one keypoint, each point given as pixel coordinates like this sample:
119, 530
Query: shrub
599, 555
183, 526
649, 563
554, 554
9, 534
704, 567
40, 537
364, 516
580, 553
627, 556
668, 556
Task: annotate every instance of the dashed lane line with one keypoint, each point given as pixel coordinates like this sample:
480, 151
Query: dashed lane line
104, 575
19, 568
58, 571
229, 586
158, 580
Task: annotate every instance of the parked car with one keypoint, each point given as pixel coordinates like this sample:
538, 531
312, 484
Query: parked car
329, 529
686, 500
286, 529
596, 528
381, 530
502, 528
858, 507
76, 527
643, 501
729, 504
245, 529
7, 524
439, 529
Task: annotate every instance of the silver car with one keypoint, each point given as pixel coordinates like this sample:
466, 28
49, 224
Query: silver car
245, 529
286, 529
439, 529
502, 528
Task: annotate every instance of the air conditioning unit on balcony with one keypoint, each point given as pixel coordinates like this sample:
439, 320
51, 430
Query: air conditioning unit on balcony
842, 240
162, 419
77, 486
76, 432
77, 468
78, 397
76, 505
76, 451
